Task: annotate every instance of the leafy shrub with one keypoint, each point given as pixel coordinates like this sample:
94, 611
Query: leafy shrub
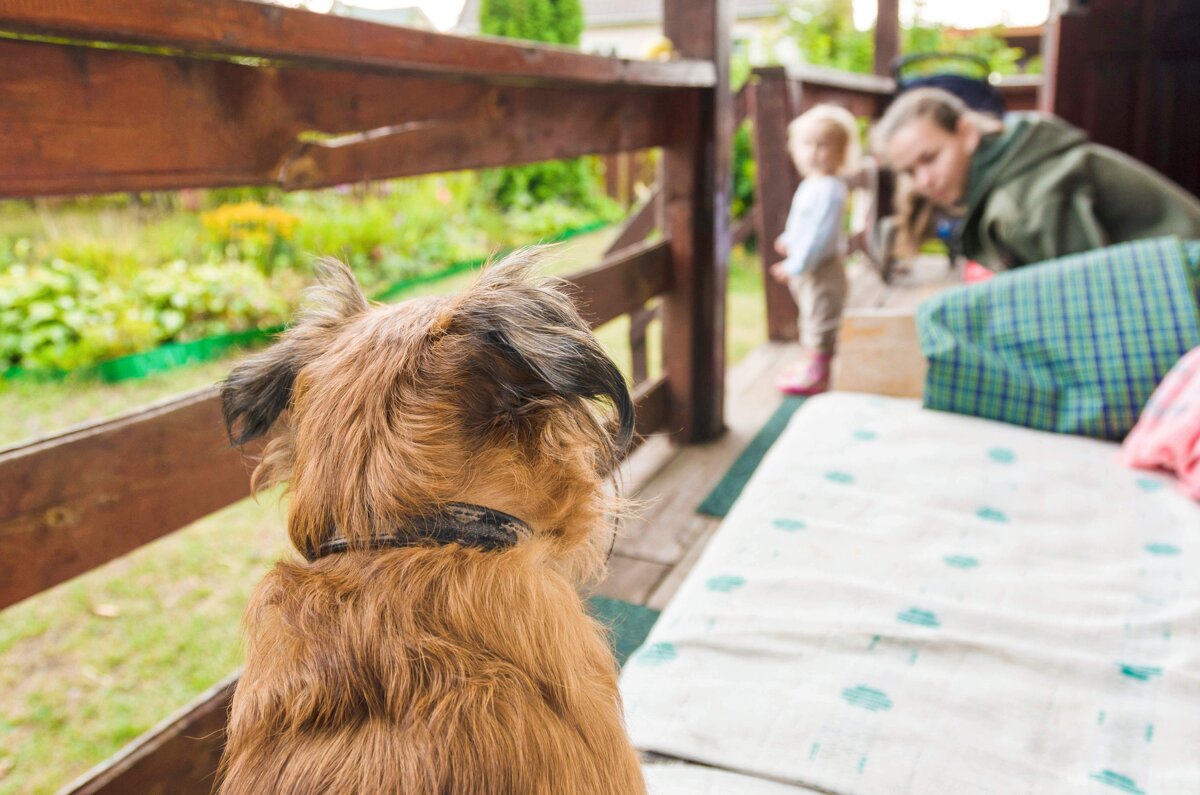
186, 302
60, 316
251, 232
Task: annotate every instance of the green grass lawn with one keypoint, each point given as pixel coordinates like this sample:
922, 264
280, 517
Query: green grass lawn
89, 665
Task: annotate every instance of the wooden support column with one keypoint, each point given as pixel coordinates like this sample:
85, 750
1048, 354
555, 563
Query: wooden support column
696, 193
887, 35
775, 104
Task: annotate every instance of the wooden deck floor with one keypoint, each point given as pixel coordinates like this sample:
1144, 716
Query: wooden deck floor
661, 543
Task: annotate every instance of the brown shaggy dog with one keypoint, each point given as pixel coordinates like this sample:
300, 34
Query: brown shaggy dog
434, 667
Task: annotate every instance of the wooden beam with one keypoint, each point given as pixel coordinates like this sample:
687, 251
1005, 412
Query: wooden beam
638, 225
887, 35
75, 501
775, 181
696, 187
179, 756
862, 95
653, 407
623, 282
232, 27
79, 120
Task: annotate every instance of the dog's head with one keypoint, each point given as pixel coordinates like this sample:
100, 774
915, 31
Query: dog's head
499, 396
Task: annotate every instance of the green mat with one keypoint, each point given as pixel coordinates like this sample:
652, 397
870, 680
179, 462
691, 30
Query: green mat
629, 624
725, 493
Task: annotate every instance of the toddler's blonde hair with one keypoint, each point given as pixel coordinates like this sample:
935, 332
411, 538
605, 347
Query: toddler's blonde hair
829, 117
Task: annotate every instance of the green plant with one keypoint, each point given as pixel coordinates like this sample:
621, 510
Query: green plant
60, 316
186, 302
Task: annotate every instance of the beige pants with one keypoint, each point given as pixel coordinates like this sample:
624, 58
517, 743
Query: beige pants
820, 296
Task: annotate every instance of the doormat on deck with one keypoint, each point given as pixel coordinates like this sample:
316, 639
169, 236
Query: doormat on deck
628, 624
725, 493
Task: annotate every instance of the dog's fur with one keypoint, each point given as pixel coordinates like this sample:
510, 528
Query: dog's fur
433, 669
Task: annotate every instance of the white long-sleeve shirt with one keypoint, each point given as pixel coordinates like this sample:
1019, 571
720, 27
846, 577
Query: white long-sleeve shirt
814, 231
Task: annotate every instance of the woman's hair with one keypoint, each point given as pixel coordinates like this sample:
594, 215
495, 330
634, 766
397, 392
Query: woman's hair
827, 117
939, 106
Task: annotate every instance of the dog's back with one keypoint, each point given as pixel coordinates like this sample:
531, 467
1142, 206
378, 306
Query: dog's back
398, 663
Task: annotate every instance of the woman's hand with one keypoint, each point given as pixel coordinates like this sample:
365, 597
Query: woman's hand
780, 246
778, 273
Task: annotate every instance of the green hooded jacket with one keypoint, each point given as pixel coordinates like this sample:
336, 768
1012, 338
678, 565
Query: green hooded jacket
1039, 190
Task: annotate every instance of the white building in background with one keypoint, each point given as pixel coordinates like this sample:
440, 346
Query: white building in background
631, 28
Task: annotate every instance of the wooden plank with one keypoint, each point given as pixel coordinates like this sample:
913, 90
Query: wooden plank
623, 282
232, 27
631, 580
887, 35
179, 756
639, 224
1021, 92
652, 407
81, 499
878, 352
80, 120
775, 181
696, 193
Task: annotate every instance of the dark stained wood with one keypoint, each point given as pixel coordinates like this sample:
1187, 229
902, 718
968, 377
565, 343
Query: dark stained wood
862, 95
696, 193
653, 406
775, 182
639, 324
887, 35
78, 500
743, 103
232, 27
623, 282
177, 757
1021, 92
638, 225
80, 120
745, 227
1128, 72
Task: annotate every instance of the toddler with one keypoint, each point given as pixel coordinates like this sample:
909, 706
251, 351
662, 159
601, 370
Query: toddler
823, 142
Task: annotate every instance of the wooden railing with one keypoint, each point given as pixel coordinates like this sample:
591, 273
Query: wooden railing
167, 94
776, 95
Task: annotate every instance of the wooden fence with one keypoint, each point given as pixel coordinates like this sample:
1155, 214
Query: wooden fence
139, 95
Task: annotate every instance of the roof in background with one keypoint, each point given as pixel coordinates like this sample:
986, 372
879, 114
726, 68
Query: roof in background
609, 13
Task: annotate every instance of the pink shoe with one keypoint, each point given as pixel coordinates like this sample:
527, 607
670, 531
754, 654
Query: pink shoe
813, 380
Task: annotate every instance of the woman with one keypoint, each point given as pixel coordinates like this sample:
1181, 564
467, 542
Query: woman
1030, 187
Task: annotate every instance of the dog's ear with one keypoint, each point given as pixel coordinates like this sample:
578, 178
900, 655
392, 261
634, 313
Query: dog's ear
546, 348
258, 390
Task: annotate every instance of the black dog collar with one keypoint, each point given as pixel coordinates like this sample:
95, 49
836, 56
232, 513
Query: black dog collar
456, 523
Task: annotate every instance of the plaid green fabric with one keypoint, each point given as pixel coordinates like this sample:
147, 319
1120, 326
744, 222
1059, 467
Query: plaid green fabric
1075, 345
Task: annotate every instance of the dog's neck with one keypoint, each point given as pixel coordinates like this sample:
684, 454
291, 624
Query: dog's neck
455, 523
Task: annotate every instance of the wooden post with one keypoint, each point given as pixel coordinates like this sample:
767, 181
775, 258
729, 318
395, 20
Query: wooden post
887, 35
696, 192
775, 182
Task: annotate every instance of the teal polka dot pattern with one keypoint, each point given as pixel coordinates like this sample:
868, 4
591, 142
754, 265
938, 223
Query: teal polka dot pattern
865, 435
658, 654
1142, 673
990, 514
843, 478
1118, 782
726, 583
1149, 485
867, 698
961, 561
922, 618
1002, 455
1166, 550
789, 525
